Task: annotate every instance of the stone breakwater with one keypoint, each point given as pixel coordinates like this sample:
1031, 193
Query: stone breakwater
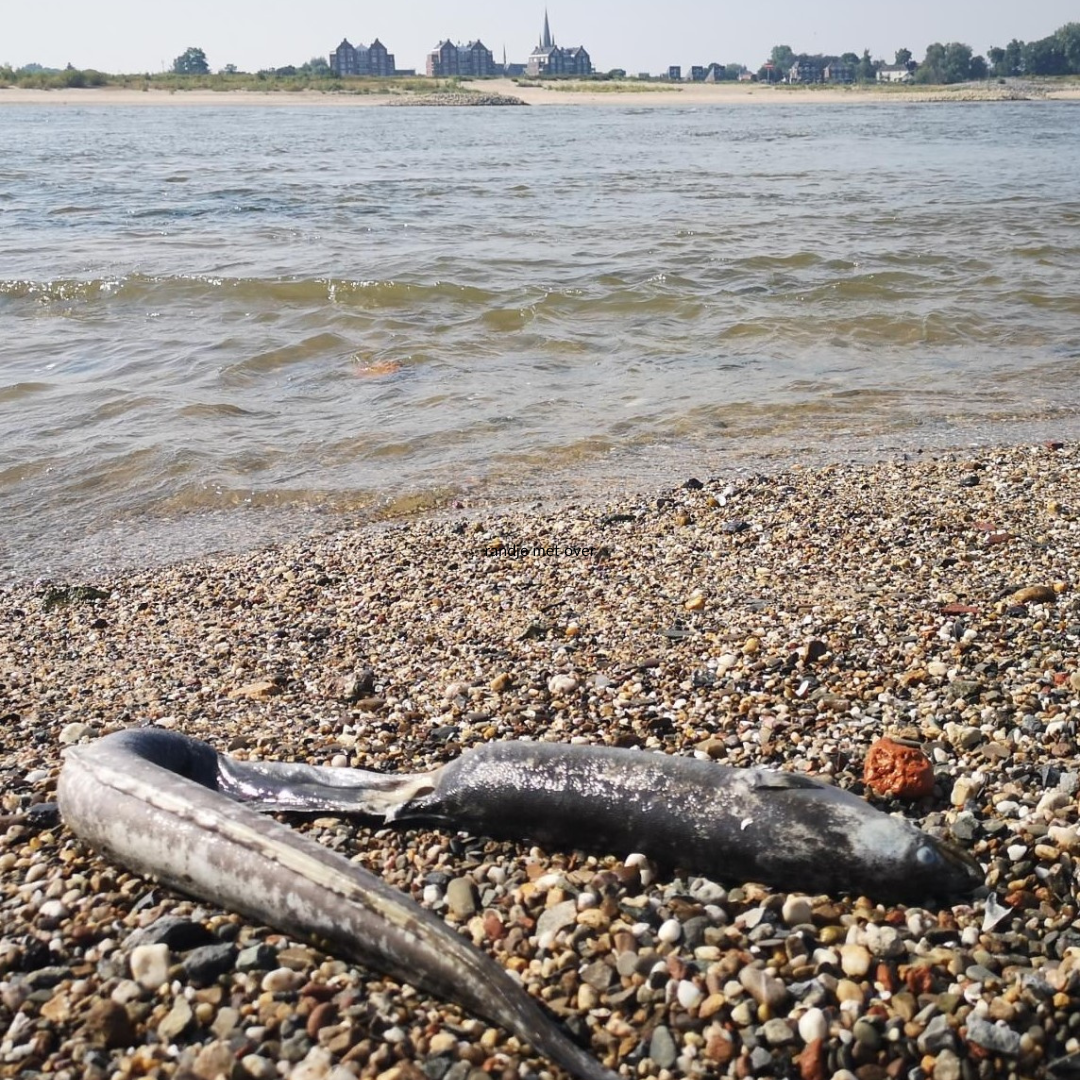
787, 620
457, 99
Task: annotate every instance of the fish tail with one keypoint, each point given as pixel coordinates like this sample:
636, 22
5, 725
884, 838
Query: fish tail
320, 789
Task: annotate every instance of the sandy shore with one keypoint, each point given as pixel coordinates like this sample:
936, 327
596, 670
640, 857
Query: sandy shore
786, 621
656, 95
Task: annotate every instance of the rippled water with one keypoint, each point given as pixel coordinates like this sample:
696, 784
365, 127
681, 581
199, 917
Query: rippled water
215, 321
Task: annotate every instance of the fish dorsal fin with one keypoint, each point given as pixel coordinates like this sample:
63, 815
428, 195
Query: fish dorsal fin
783, 781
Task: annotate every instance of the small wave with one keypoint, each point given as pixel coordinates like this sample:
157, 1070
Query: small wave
20, 390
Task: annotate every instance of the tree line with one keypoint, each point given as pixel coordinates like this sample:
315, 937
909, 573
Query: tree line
1057, 54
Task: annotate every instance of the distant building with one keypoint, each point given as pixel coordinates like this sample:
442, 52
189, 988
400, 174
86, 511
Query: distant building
674, 73
697, 73
839, 73
900, 73
551, 59
370, 59
806, 71
472, 61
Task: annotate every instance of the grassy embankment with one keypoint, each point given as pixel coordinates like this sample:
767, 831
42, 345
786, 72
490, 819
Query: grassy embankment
74, 79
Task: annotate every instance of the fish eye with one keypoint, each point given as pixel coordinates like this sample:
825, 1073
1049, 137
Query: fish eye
926, 856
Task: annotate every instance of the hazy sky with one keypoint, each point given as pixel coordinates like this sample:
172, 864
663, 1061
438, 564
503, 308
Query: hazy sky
134, 35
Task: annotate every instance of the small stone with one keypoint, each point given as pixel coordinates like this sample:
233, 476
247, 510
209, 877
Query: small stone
214, 1060
719, 1045
176, 1021
502, 682
172, 930
1035, 594
323, 1015
965, 788
695, 603
461, 899
599, 974
282, 980
689, 994
662, 1048
351, 688
892, 768
813, 1062
108, 1025
866, 1034
855, 960
560, 685
442, 1043
226, 1021
796, 910
777, 1032
552, 920
260, 690
764, 988
996, 1038
150, 965
202, 966
74, 732
947, 1066
670, 931
258, 1067
57, 1010
256, 958
937, 1036
813, 1025
743, 1014
1064, 837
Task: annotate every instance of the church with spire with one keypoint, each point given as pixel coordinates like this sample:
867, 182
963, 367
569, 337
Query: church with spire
551, 59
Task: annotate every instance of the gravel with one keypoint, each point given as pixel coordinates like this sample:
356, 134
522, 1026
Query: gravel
895, 599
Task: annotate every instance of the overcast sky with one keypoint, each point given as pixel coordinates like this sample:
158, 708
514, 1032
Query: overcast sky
134, 35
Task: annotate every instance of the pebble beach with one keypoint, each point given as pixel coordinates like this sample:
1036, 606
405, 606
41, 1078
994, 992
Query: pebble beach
787, 619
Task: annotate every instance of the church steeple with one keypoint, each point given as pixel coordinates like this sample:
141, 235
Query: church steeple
545, 40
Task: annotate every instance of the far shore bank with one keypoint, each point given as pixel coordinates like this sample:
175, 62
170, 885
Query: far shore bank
643, 94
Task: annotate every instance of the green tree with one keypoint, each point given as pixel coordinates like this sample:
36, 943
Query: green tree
866, 71
191, 62
782, 57
957, 62
932, 69
1014, 58
996, 57
849, 58
978, 68
317, 65
1069, 39
1045, 57
903, 56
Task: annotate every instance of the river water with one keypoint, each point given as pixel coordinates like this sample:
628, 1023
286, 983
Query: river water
222, 325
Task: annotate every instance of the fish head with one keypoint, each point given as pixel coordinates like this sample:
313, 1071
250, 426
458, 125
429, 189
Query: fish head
940, 870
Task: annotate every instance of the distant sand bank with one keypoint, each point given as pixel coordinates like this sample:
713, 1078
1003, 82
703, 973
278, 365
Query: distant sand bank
645, 95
